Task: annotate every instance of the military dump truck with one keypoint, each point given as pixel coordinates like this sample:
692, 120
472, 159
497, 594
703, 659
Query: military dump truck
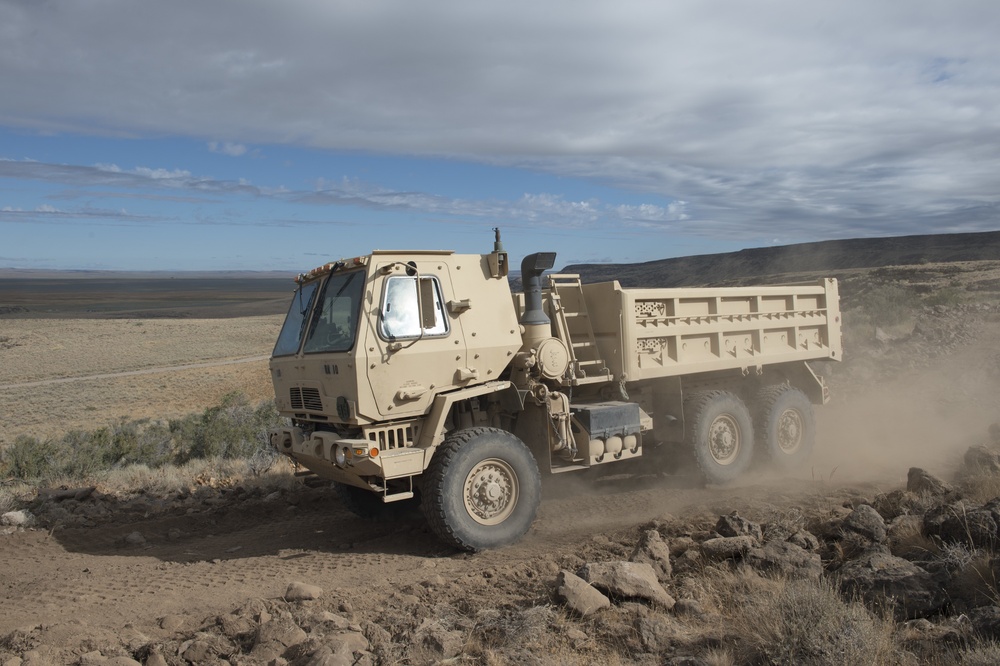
419, 378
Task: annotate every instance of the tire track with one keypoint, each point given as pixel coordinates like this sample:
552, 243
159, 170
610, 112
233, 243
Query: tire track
134, 373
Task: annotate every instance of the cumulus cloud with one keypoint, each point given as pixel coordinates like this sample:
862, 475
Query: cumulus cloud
800, 119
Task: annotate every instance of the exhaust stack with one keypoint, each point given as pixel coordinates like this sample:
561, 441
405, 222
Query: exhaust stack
536, 323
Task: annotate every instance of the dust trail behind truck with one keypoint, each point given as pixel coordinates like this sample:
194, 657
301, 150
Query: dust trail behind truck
417, 377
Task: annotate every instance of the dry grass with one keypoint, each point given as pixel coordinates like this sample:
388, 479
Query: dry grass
54, 349
779, 621
50, 348
981, 488
982, 655
172, 478
908, 541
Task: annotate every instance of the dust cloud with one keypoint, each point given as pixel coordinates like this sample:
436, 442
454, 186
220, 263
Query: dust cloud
919, 418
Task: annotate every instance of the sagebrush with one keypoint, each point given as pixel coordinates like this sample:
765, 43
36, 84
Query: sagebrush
234, 429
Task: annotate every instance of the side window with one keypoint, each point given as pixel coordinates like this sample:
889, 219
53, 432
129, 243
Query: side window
400, 313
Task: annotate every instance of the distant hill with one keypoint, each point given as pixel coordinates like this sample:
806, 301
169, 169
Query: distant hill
808, 258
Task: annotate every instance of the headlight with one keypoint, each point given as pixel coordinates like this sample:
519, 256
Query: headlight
340, 457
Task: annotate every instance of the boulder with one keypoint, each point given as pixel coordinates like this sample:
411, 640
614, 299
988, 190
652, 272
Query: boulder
982, 460
804, 540
886, 581
282, 631
22, 518
961, 523
655, 552
657, 632
734, 525
302, 592
726, 548
897, 503
985, 621
922, 482
784, 558
437, 642
579, 596
867, 522
627, 580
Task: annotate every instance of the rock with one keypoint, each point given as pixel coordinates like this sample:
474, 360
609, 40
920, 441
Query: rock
235, 626
135, 539
867, 522
784, 558
906, 539
627, 580
921, 482
21, 518
60, 494
726, 548
985, 621
982, 460
172, 622
734, 525
302, 592
962, 524
280, 630
434, 582
653, 550
332, 621
884, 580
156, 659
435, 640
657, 632
804, 540
897, 503
197, 651
579, 596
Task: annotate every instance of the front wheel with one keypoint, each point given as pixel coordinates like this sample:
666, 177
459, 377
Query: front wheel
482, 489
719, 433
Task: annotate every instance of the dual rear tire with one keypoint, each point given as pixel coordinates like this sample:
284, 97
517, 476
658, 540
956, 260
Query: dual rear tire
724, 437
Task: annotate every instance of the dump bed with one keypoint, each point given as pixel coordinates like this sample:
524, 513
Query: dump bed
649, 333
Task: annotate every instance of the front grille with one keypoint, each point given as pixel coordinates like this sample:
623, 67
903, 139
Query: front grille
394, 436
306, 398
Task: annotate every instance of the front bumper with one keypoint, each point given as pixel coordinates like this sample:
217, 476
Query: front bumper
347, 460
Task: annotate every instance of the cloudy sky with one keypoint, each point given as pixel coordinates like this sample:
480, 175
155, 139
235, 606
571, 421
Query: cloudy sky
252, 134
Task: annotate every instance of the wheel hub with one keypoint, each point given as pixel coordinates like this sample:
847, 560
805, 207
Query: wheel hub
724, 439
491, 491
790, 431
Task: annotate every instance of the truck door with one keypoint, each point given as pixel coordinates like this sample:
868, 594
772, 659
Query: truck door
412, 355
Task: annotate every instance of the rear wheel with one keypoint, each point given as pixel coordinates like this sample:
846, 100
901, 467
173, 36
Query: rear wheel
719, 433
482, 489
369, 505
786, 427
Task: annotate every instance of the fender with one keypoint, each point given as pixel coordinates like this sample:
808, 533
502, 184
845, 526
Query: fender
432, 433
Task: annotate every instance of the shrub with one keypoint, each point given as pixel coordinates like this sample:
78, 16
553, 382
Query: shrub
232, 430
28, 458
782, 621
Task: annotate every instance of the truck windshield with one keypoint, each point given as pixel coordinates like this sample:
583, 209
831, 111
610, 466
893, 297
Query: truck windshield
290, 337
334, 323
